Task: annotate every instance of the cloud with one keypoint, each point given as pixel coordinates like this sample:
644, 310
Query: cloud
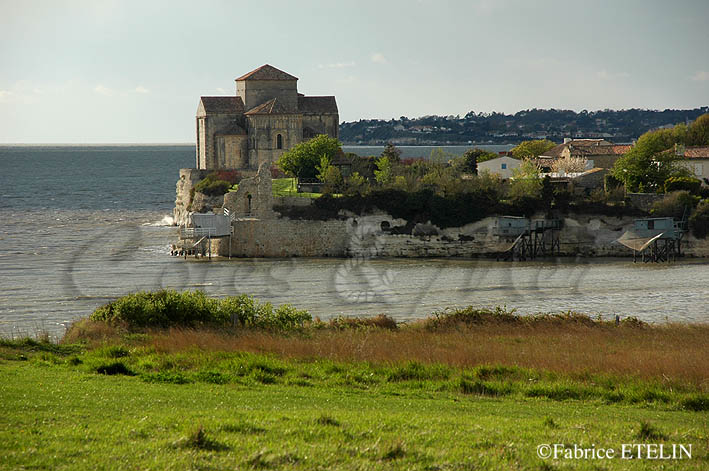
221, 90
378, 58
141, 89
4, 95
337, 65
701, 76
101, 90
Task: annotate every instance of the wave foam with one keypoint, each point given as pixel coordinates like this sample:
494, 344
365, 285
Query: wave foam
165, 221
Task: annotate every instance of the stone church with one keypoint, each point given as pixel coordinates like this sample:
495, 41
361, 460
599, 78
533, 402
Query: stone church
266, 118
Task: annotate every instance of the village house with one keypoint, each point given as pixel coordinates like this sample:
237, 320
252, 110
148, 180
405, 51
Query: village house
501, 166
696, 159
265, 118
599, 152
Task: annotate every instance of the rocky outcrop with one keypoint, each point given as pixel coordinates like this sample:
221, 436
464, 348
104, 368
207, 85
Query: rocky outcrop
189, 177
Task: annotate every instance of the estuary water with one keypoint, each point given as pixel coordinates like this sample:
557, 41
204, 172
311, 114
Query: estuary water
82, 225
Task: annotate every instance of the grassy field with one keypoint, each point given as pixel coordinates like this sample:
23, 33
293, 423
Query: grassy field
127, 400
238, 384
287, 187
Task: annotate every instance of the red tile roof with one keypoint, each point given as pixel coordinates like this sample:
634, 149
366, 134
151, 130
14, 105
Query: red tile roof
584, 147
696, 152
622, 149
266, 72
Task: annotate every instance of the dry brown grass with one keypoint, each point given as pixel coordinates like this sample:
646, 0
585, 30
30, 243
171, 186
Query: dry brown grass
91, 332
668, 353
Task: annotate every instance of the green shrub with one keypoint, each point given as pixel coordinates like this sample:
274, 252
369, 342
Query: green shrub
114, 368
699, 221
213, 187
689, 184
611, 183
217, 183
696, 403
483, 388
172, 377
673, 205
166, 308
212, 377
415, 371
162, 308
469, 316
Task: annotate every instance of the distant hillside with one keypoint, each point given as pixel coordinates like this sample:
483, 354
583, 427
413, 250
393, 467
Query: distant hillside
499, 128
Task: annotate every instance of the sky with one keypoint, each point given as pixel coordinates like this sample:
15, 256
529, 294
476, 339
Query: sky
103, 71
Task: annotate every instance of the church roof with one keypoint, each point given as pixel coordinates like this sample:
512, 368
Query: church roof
266, 72
222, 104
272, 106
317, 104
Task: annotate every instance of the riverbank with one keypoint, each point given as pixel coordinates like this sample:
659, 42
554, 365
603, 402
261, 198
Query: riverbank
355, 394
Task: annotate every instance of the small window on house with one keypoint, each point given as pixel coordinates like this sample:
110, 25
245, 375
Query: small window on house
504, 166
279, 142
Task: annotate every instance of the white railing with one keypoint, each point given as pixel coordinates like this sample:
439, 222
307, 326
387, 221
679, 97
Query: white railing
194, 232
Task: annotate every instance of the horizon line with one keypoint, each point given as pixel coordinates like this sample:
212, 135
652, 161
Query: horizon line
69, 144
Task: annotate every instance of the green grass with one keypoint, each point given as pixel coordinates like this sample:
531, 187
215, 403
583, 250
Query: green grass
287, 187
129, 406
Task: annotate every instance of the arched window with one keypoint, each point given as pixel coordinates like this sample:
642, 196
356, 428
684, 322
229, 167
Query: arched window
279, 142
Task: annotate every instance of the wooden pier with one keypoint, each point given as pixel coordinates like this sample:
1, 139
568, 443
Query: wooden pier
656, 240
538, 238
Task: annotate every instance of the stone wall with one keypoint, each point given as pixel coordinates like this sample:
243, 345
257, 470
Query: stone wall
590, 179
232, 151
644, 201
285, 238
214, 124
257, 92
322, 123
253, 198
375, 236
264, 131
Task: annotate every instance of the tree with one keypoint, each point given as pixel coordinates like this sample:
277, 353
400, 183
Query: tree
526, 181
392, 152
469, 161
531, 149
698, 132
303, 160
383, 172
482, 155
356, 184
439, 156
334, 183
652, 160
